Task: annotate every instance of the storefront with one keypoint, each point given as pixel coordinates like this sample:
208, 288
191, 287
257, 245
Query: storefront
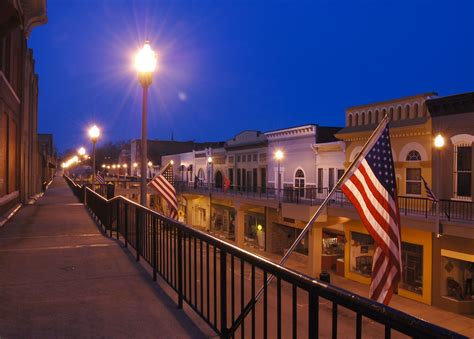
333, 248
453, 272
416, 255
223, 221
254, 226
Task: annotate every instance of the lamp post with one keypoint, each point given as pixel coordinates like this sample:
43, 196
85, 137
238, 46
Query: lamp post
145, 64
278, 156
94, 133
439, 144
209, 172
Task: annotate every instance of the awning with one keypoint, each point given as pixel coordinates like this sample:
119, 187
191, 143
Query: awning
457, 255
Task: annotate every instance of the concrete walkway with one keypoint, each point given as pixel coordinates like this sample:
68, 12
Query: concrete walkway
60, 277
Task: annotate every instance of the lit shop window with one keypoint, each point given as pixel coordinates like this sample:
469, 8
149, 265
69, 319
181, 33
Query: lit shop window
456, 278
361, 253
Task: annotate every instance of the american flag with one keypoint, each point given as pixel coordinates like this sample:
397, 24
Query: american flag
429, 192
372, 190
100, 178
163, 184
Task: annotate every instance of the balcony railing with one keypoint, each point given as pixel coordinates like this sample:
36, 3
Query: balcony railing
219, 281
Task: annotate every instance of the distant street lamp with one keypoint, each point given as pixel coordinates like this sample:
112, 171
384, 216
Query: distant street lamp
81, 151
135, 165
209, 172
439, 144
94, 133
125, 167
145, 64
279, 156
150, 164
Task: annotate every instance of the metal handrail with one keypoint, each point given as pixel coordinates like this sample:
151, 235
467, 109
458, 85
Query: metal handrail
173, 249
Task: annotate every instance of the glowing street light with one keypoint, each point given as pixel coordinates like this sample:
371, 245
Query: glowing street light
94, 133
145, 64
81, 151
209, 172
279, 156
439, 144
439, 141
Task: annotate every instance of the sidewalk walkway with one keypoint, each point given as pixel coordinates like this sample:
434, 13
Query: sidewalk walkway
60, 277
453, 321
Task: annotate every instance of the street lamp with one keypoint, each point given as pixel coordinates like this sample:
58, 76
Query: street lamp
94, 133
81, 151
150, 164
145, 64
209, 171
125, 167
439, 144
278, 156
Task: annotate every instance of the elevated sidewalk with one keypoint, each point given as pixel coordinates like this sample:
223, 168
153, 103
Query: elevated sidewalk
60, 277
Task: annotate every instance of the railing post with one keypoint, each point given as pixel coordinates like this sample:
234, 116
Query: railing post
137, 234
153, 247
126, 225
180, 270
109, 210
118, 218
223, 287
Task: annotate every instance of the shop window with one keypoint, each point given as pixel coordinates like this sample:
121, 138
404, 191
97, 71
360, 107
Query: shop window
456, 278
255, 230
299, 183
412, 268
3, 153
462, 171
361, 253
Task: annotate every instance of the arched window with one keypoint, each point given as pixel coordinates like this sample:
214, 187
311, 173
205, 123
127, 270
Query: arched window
391, 113
415, 111
218, 179
349, 120
363, 118
406, 114
299, 183
190, 173
382, 114
357, 121
413, 175
201, 176
413, 156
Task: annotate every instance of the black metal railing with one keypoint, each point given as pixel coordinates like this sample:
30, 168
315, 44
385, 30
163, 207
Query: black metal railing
218, 281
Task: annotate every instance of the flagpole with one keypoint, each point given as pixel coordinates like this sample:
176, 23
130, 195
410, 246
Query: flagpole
316, 214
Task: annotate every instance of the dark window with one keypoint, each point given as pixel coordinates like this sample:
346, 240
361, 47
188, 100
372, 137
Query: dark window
244, 178
255, 177
231, 177
340, 173
464, 171
263, 178
331, 178
320, 180
412, 267
239, 178
413, 181
413, 156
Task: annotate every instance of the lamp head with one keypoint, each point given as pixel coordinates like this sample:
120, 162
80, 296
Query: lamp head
81, 151
135, 165
439, 141
209, 160
279, 154
94, 133
150, 163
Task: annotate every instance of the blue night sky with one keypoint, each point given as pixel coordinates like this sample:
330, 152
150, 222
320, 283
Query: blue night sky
228, 66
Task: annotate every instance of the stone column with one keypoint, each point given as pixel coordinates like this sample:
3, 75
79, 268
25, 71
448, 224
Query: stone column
239, 226
315, 251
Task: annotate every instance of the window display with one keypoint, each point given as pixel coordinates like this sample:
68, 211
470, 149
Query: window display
361, 253
255, 230
456, 278
412, 268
